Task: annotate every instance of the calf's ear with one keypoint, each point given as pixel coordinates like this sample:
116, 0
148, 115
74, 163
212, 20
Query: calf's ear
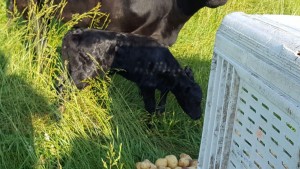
188, 71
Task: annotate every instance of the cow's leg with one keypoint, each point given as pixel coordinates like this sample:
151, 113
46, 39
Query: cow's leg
162, 102
148, 95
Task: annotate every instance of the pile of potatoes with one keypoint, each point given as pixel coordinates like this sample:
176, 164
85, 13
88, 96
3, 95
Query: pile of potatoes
169, 162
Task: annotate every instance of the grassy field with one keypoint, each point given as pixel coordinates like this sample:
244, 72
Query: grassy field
104, 125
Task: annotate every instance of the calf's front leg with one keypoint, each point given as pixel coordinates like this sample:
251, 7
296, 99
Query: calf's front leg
148, 95
162, 102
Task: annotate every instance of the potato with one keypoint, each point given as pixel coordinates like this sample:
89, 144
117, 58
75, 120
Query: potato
138, 165
190, 168
163, 168
145, 165
161, 162
152, 166
178, 168
184, 162
183, 155
172, 161
148, 165
194, 163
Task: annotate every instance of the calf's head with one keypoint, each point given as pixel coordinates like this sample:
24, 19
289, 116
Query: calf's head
189, 94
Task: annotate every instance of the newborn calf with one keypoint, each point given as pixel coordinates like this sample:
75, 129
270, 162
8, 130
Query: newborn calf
90, 53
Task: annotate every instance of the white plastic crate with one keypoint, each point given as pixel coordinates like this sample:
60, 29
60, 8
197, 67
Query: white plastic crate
252, 115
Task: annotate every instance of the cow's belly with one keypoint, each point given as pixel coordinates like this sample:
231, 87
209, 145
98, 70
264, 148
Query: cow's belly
140, 17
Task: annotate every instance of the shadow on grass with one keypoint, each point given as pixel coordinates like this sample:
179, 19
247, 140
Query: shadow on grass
19, 104
86, 153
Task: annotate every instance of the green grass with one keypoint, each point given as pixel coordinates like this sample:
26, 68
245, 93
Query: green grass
104, 125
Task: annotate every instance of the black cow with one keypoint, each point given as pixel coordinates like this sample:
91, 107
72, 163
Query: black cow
90, 53
160, 19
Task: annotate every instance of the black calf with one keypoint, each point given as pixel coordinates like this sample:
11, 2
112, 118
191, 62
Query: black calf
151, 66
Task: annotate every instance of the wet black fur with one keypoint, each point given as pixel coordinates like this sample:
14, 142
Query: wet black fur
90, 53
